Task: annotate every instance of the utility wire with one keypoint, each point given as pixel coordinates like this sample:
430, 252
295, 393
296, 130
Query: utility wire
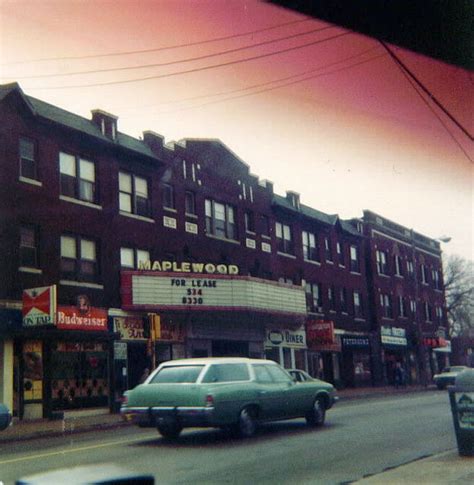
197, 69
189, 59
426, 91
158, 49
416, 88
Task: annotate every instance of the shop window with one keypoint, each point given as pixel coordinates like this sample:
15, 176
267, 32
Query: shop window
382, 267
386, 305
355, 259
310, 246
314, 302
131, 258
78, 178
134, 195
358, 305
220, 220
79, 258
29, 247
167, 196
340, 253
284, 238
190, 203
28, 163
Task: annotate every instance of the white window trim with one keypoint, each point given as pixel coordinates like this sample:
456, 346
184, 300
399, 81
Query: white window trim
80, 202
170, 209
264, 236
135, 216
233, 241
81, 283
310, 261
192, 216
27, 180
286, 255
28, 269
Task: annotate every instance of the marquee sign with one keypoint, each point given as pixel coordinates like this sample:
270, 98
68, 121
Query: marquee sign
178, 291
39, 306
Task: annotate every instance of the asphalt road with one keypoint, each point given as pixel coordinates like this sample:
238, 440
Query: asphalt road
360, 438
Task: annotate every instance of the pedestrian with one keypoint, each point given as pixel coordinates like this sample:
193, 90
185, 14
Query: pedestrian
399, 375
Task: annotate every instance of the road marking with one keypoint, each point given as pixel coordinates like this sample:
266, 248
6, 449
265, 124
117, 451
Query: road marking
74, 450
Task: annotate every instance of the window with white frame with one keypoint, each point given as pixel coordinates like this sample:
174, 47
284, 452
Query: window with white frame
314, 302
427, 311
354, 251
327, 249
131, 257
134, 194
265, 225
410, 268
190, 203
29, 246
402, 311
439, 313
397, 260
343, 299
78, 179
220, 220
413, 307
332, 298
167, 196
358, 304
436, 279
284, 238
28, 164
340, 253
310, 246
386, 305
79, 258
381, 258
424, 274
249, 221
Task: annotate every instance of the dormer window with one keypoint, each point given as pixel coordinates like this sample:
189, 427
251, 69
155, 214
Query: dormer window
106, 122
294, 199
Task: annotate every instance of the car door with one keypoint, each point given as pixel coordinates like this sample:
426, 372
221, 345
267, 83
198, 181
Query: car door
271, 398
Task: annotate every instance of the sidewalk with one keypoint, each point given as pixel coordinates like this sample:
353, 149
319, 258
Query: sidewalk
94, 419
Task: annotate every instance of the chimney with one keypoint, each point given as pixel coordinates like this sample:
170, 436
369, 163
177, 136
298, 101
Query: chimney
106, 122
293, 198
153, 140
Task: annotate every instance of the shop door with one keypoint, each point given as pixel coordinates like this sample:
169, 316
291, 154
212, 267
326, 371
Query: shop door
138, 361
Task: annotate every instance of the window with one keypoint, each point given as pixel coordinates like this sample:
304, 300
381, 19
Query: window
77, 177
381, 262
190, 203
284, 239
286, 281
427, 311
265, 225
249, 222
358, 305
167, 196
183, 374
133, 197
355, 259
340, 253
314, 302
439, 313
261, 374
386, 304
278, 375
28, 247
310, 246
436, 279
424, 274
343, 299
397, 260
131, 258
28, 166
227, 373
410, 269
402, 311
327, 249
331, 298
413, 307
220, 220
78, 258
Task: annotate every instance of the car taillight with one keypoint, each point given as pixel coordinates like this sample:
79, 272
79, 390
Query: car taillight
209, 401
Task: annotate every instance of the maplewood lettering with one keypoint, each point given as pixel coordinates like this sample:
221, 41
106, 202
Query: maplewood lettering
188, 267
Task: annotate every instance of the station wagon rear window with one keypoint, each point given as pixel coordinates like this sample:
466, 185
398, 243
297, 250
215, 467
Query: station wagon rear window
178, 374
227, 373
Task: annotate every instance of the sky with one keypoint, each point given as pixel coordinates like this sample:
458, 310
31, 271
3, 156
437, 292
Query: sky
336, 120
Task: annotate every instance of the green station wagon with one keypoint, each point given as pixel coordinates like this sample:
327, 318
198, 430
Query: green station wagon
228, 393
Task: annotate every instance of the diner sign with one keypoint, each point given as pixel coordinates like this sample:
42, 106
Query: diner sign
286, 338
154, 292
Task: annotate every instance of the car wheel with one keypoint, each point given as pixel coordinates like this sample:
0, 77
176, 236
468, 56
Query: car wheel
170, 431
247, 424
317, 414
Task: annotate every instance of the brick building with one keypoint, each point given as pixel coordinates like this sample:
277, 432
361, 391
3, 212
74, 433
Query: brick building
134, 252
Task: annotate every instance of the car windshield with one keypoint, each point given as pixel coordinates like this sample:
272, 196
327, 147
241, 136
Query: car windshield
178, 374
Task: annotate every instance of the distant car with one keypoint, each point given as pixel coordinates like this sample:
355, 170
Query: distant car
5, 417
448, 376
301, 375
228, 393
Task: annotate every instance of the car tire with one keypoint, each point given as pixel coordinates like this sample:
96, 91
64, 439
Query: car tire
247, 424
317, 414
170, 431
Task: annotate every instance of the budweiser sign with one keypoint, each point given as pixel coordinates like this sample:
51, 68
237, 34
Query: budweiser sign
82, 317
39, 306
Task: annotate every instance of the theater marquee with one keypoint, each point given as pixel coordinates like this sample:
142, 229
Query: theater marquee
153, 291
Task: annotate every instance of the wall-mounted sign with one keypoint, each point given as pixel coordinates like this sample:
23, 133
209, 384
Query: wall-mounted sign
172, 332
320, 336
39, 306
156, 292
393, 336
87, 318
286, 338
355, 342
129, 328
435, 342
188, 267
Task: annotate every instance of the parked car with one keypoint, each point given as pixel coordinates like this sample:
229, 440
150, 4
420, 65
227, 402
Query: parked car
5, 417
448, 376
228, 393
301, 375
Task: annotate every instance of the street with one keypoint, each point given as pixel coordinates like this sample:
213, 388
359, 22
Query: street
360, 438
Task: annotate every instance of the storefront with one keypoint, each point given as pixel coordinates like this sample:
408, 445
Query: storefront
287, 347
355, 360
395, 350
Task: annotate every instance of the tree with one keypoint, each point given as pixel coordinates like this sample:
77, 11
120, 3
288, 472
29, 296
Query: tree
459, 290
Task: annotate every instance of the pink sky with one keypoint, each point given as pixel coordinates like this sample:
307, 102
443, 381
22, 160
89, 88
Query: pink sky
358, 138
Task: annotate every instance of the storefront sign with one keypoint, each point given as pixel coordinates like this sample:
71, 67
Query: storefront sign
286, 338
75, 318
129, 328
188, 267
39, 306
446, 349
360, 342
435, 342
171, 332
393, 336
120, 351
320, 336
156, 292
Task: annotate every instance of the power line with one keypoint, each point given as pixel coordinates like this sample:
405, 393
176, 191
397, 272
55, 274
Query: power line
427, 91
157, 49
189, 59
425, 101
197, 69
